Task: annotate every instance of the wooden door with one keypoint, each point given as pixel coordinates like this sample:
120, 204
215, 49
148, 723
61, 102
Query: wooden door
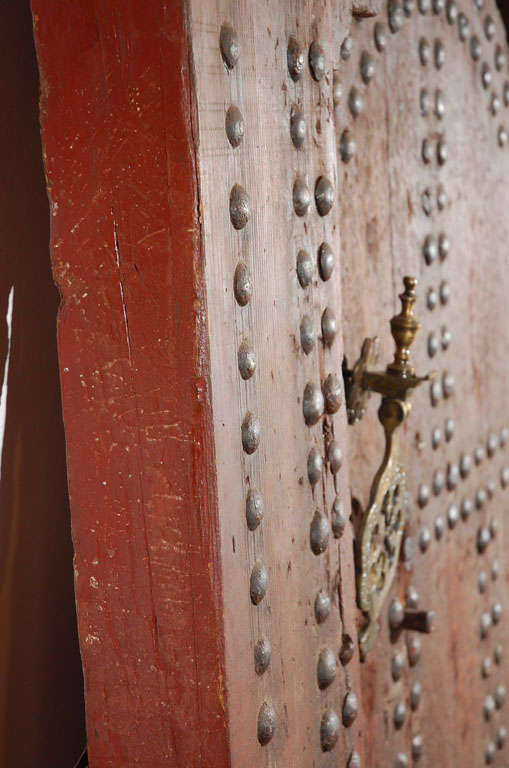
237, 190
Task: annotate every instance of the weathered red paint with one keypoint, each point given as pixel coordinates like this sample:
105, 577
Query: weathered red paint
116, 113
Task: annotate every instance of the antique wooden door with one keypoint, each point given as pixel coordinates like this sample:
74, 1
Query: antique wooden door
237, 190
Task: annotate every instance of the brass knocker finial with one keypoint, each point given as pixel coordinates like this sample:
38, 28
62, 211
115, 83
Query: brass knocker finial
379, 541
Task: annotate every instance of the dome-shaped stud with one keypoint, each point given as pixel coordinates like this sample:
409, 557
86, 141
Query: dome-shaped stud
329, 327
347, 650
266, 723
489, 753
452, 516
246, 357
438, 481
415, 696
435, 392
329, 730
324, 196
401, 760
396, 613
489, 28
314, 466
319, 533
496, 612
316, 61
347, 145
399, 715
505, 93
355, 102
439, 54
380, 37
443, 246
504, 477
326, 668
479, 455
337, 88
239, 207
424, 106
350, 709
414, 647
307, 334
495, 104
488, 707
430, 249
439, 527
466, 508
501, 737
334, 456
325, 261
417, 745
433, 344
502, 136
442, 152
445, 292
423, 495
242, 285
367, 67
297, 126
499, 58
395, 16
234, 126
301, 197
431, 299
333, 393
427, 152
486, 666
250, 433
304, 268
441, 198
346, 48
490, 488
424, 6
438, 6
480, 498
485, 76
491, 444
312, 403
475, 48
495, 570
411, 597
295, 59
483, 539
428, 201
500, 695
262, 653
439, 104
338, 518
258, 583
424, 539
229, 45
322, 606
254, 509
494, 528
451, 11
465, 465
448, 384
449, 429
497, 654
354, 761
463, 27
397, 666
436, 438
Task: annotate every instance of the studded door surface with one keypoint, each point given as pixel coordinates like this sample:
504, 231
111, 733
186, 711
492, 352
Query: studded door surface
340, 150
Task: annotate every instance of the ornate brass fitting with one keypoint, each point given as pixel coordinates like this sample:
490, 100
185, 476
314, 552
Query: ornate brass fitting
381, 531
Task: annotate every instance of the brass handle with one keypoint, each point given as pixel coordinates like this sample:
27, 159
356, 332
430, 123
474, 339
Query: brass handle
381, 530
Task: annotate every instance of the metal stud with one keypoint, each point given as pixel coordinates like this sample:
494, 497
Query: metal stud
322, 606
502, 136
338, 518
500, 694
438, 6
347, 145
483, 539
319, 533
501, 737
346, 48
242, 285
427, 151
488, 707
354, 761
324, 196
449, 429
496, 612
329, 327
424, 6
399, 714
424, 539
415, 695
435, 392
504, 436
443, 246
423, 495
463, 27
262, 652
395, 16
295, 59
439, 52
266, 723
301, 197
489, 754
401, 761
411, 597
442, 152
316, 61
347, 651
452, 515
479, 4
480, 498
297, 126
500, 58
333, 392
475, 48
325, 261
441, 197
498, 653
430, 249
326, 668
239, 207
466, 508
485, 76
246, 360
485, 624
431, 298
445, 292
350, 709
397, 665
304, 268
439, 104
504, 477
329, 730
414, 647
424, 105
408, 7
489, 28
439, 528
307, 334
234, 126
337, 88
433, 344
254, 509
428, 201
367, 67
229, 45
396, 613
486, 667
355, 102
438, 481
380, 37
436, 438
491, 444
258, 583
490, 488
448, 384
465, 465
495, 570
479, 454
451, 11
334, 456
314, 466
417, 744
312, 403
506, 94
250, 433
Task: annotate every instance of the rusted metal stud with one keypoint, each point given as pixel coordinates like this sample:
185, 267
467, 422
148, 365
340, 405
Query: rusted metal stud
324, 196
401, 760
486, 667
314, 465
489, 28
258, 582
254, 509
433, 344
350, 709
242, 285
266, 723
442, 152
397, 665
423, 495
333, 393
325, 261
316, 61
452, 516
297, 126
338, 518
438, 481
322, 606
435, 392
436, 438
312, 403
439, 527
465, 465
500, 695
480, 498
498, 653
500, 58
463, 27
502, 136
475, 48
229, 45
424, 539
496, 612
414, 647
488, 707
354, 761
329, 730
355, 102
489, 754
262, 653
395, 16
367, 67
415, 696
418, 621
307, 334
424, 105
329, 327
326, 668
234, 126
347, 649
346, 48
295, 59
483, 539
304, 268
239, 207
449, 429
396, 613
399, 714
301, 197
431, 299
334, 456
439, 53
485, 76
485, 624
430, 249
319, 533
417, 744
246, 359
380, 37
347, 145
451, 11
250, 433
466, 508
501, 737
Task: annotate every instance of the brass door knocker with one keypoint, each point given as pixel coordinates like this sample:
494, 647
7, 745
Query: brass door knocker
381, 530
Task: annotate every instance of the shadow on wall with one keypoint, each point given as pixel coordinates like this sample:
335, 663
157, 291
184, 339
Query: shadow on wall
41, 687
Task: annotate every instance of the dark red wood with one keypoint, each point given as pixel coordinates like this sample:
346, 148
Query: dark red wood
117, 124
